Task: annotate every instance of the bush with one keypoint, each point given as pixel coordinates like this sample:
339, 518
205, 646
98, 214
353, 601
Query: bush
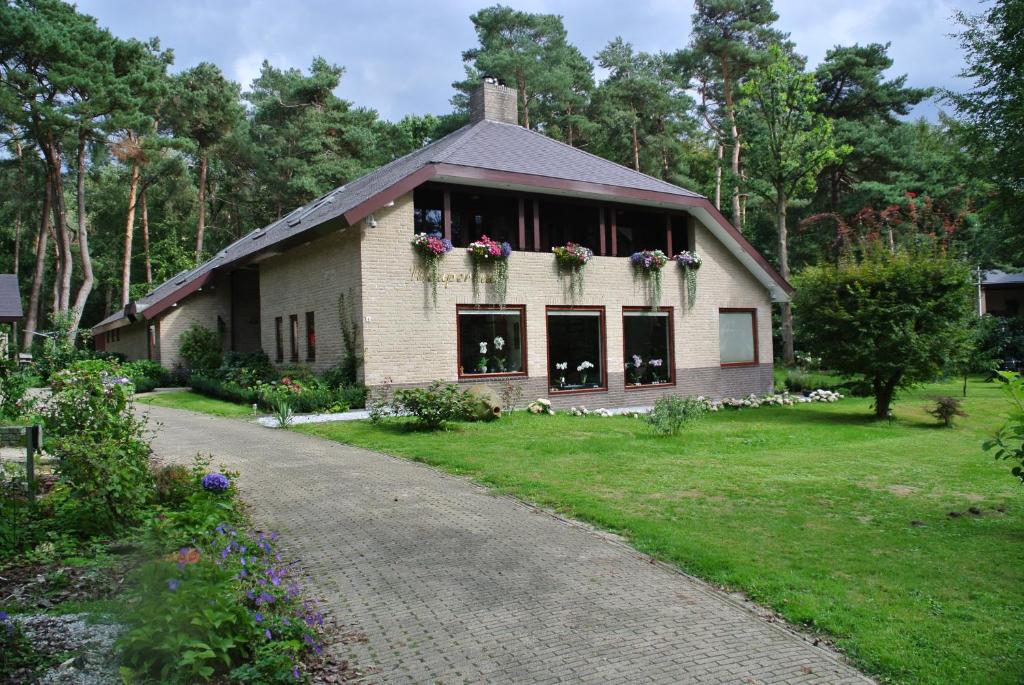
434, 406
90, 426
146, 375
173, 484
1008, 443
246, 368
224, 390
14, 387
671, 413
200, 348
946, 409
999, 343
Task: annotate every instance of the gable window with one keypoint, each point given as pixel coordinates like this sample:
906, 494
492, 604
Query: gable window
637, 230
562, 223
310, 337
576, 349
293, 337
647, 343
428, 210
279, 339
737, 336
492, 341
477, 214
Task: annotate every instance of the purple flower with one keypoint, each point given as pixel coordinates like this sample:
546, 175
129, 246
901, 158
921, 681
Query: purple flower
216, 482
295, 672
259, 617
270, 636
173, 584
4, 616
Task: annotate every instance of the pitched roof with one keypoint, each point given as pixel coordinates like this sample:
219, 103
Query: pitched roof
996, 278
10, 298
506, 151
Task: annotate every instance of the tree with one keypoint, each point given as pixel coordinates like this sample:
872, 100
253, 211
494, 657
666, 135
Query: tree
788, 145
991, 116
893, 319
527, 51
728, 38
204, 108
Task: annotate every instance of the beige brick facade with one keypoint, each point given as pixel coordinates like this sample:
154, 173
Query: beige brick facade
210, 308
128, 340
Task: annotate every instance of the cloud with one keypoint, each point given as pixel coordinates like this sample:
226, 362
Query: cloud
401, 56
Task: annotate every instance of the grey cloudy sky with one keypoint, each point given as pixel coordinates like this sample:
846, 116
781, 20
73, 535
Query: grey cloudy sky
402, 55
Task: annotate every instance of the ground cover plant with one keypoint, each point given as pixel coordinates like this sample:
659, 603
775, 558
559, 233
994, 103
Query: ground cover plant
900, 541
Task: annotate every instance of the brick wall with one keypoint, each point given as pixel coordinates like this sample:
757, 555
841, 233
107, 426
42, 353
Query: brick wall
131, 341
410, 341
310, 279
203, 308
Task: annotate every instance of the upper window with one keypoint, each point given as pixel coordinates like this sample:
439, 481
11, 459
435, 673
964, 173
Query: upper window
310, 337
576, 349
562, 223
492, 341
647, 342
737, 336
428, 210
478, 214
637, 230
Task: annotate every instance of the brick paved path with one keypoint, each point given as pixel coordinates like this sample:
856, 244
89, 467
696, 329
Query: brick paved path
452, 584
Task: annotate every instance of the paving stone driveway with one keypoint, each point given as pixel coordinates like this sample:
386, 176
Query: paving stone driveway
452, 584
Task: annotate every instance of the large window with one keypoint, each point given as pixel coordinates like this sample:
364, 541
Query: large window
637, 230
647, 343
737, 336
492, 341
576, 354
279, 339
428, 210
562, 223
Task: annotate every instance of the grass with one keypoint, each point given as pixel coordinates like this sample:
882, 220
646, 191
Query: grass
838, 522
193, 401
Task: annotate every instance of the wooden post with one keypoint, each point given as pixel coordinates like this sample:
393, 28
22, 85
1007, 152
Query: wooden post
447, 214
615, 238
536, 225
668, 234
522, 224
600, 221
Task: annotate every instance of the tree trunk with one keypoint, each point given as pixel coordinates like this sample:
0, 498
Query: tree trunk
201, 223
129, 235
718, 177
636, 148
22, 187
737, 220
32, 317
788, 354
62, 235
83, 245
144, 208
884, 390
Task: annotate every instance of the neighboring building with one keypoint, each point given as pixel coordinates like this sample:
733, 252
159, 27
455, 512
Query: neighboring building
10, 311
1002, 294
278, 288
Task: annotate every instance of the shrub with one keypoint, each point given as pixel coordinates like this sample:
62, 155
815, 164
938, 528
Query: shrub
14, 387
946, 409
352, 395
224, 390
434, 406
246, 368
200, 348
146, 375
90, 426
671, 413
173, 484
894, 320
1008, 443
999, 342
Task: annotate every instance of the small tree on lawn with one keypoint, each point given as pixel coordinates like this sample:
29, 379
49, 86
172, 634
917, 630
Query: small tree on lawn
895, 319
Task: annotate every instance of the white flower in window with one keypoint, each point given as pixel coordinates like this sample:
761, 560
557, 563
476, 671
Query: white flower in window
562, 366
499, 343
584, 366
483, 348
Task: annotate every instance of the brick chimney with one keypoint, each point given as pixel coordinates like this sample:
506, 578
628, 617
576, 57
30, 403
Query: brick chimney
494, 101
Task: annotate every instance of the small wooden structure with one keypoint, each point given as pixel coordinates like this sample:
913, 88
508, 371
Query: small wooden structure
10, 312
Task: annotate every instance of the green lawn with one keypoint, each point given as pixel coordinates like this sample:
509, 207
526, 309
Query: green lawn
193, 401
838, 522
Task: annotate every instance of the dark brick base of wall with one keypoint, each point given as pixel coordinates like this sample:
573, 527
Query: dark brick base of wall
713, 382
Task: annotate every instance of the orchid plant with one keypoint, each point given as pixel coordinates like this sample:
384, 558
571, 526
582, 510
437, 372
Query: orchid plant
572, 257
488, 251
431, 247
649, 263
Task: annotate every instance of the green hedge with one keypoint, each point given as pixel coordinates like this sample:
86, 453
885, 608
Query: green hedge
313, 398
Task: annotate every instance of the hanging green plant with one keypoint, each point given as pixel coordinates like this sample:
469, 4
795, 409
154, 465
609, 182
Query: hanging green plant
487, 251
649, 263
572, 258
690, 262
431, 247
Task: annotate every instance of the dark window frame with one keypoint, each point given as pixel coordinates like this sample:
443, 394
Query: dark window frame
459, 308
600, 308
279, 338
670, 311
310, 336
753, 325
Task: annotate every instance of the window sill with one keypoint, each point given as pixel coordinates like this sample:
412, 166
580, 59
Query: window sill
496, 374
575, 391
729, 364
645, 386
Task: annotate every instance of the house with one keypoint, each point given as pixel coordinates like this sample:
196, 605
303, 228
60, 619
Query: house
10, 311
1001, 294
344, 262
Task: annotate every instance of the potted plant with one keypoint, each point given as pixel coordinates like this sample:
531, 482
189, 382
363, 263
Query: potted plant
689, 262
571, 258
487, 251
431, 247
648, 264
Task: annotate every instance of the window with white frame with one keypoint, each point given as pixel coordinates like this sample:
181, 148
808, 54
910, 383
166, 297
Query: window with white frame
737, 336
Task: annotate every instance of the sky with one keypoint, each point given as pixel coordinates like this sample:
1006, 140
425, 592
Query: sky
401, 56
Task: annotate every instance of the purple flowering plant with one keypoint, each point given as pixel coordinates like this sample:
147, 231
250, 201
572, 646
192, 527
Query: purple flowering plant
216, 482
649, 263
